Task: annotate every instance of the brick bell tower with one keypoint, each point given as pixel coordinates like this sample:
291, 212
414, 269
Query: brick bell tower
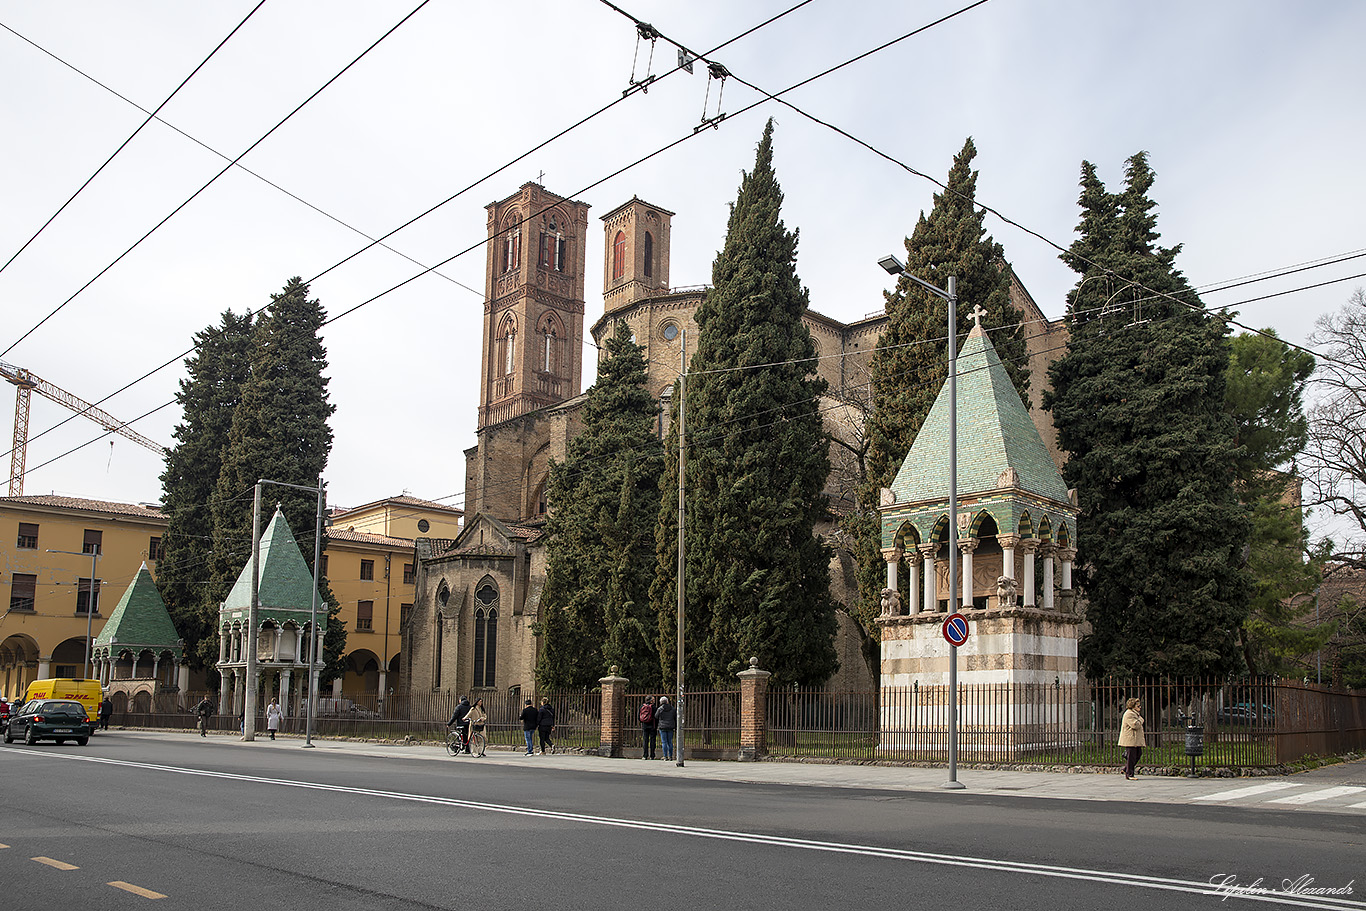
636, 263
532, 351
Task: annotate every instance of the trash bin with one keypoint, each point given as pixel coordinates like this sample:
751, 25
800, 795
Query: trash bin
1195, 742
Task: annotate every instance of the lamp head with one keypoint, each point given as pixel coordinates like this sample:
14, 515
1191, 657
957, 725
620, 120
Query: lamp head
891, 264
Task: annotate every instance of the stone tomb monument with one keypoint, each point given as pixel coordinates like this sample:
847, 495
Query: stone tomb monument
1015, 540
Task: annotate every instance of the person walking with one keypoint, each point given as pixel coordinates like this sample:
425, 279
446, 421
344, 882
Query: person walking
1131, 738
666, 719
531, 720
461, 718
203, 710
545, 723
273, 715
647, 728
106, 709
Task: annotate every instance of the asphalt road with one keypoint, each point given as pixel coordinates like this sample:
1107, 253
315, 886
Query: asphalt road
217, 823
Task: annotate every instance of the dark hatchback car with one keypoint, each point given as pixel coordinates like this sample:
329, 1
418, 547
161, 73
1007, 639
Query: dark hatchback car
50, 719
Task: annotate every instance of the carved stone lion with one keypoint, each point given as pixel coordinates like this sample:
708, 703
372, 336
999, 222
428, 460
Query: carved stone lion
891, 602
1005, 591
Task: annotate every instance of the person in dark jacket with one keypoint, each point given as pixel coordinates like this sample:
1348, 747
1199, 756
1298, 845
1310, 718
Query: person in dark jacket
460, 718
647, 728
531, 720
545, 723
666, 717
106, 709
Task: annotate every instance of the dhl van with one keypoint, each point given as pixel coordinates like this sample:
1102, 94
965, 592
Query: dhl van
88, 693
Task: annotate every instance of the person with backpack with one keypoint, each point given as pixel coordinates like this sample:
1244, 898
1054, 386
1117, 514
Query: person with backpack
647, 728
545, 723
203, 710
666, 718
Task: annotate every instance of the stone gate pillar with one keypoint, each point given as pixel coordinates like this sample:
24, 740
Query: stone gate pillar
753, 712
613, 713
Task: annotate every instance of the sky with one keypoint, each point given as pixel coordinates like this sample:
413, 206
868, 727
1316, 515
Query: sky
1245, 108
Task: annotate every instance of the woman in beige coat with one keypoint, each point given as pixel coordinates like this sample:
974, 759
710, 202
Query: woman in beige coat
1131, 738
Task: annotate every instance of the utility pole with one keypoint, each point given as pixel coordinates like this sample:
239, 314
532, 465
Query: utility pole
682, 561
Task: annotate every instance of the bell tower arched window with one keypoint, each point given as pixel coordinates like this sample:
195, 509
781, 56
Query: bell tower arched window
551, 342
649, 255
485, 633
619, 256
507, 343
512, 249
552, 246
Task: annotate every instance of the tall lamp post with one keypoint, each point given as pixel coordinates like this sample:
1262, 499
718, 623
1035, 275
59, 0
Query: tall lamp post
90, 598
894, 267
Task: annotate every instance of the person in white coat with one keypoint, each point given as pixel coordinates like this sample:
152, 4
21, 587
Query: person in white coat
273, 716
1131, 738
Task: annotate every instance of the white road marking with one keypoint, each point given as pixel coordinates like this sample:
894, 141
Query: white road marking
1238, 793
948, 860
1315, 796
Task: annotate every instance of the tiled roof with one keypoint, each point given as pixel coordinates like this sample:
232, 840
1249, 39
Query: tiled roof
995, 432
57, 502
361, 537
402, 500
286, 583
141, 619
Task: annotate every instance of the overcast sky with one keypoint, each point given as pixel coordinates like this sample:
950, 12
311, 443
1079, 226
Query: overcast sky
1250, 111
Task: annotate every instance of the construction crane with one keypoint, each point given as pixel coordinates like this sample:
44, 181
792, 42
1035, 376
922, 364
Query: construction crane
29, 383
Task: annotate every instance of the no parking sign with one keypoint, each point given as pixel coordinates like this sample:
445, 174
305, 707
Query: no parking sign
956, 629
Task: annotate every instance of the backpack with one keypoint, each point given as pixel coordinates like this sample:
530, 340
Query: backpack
647, 713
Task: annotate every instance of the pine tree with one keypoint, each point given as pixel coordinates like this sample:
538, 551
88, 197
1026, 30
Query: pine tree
595, 608
279, 432
911, 361
758, 581
208, 396
1139, 404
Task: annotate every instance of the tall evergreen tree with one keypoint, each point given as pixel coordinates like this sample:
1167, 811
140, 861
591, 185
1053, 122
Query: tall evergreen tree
208, 396
279, 432
595, 608
758, 581
911, 361
1139, 404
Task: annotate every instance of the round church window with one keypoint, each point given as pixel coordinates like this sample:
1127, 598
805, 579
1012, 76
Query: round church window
424, 526
670, 331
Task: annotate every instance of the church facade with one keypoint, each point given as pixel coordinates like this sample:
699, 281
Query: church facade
477, 596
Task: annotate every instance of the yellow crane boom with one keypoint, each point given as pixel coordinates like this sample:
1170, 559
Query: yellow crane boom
27, 383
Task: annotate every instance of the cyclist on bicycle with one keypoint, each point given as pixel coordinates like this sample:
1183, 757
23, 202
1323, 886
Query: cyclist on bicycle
461, 718
477, 718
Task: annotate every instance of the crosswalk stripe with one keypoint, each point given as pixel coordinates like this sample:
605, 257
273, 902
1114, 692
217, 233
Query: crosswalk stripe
1250, 791
1314, 796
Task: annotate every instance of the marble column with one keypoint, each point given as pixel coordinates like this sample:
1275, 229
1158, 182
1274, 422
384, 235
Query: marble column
927, 555
912, 587
892, 557
223, 646
1028, 547
1008, 543
224, 691
1065, 556
45, 667
284, 689
1047, 551
966, 547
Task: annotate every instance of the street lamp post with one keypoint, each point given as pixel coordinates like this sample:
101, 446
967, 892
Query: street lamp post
894, 267
89, 600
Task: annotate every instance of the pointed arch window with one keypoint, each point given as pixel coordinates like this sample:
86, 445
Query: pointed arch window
512, 249
507, 343
551, 343
618, 256
485, 634
551, 255
649, 254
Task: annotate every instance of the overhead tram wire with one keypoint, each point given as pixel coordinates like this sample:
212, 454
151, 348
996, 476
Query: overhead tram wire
379, 241
214, 179
150, 117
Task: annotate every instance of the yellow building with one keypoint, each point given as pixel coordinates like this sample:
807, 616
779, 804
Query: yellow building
47, 546
370, 566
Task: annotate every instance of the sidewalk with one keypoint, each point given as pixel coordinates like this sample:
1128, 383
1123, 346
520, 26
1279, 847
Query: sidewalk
1349, 795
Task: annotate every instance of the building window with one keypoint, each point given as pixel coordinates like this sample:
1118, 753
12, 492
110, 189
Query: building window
84, 601
23, 590
324, 572
154, 549
28, 536
552, 250
365, 615
91, 545
618, 256
367, 570
409, 576
424, 526
485, 635
512, 250
405, 613
649, 254
507, 338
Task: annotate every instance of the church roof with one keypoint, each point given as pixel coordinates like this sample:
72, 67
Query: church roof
995, 433
286, 582
140, 620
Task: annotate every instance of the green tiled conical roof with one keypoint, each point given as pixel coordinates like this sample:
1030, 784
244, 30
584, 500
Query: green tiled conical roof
141, 619
286, 583
995, 432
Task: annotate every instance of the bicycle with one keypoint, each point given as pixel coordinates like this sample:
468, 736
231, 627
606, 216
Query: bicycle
455, 742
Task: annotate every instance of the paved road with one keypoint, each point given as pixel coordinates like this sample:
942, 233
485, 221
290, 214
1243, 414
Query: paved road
215, 823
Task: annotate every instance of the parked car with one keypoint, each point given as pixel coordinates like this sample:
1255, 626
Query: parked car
1246, 713
50, 719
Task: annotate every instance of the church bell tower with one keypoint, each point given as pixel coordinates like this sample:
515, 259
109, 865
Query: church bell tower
532, 348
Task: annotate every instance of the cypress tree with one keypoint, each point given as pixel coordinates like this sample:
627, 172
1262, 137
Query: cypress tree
595, 608
758, 579
1139, 404
911, 361
208, 396
279, 432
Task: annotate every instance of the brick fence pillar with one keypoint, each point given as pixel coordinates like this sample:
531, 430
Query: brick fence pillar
613, 713
753, 712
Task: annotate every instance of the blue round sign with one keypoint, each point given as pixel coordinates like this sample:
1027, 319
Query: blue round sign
956, 629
